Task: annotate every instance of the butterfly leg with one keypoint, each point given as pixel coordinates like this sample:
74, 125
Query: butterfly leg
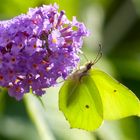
82, 75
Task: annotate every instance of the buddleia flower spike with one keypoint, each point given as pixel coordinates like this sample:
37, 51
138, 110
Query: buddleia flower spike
37, 48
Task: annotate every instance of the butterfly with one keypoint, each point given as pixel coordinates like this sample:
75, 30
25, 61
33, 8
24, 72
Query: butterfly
89, 96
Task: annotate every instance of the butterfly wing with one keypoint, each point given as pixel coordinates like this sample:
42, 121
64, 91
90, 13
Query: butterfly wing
81, 103
118, 101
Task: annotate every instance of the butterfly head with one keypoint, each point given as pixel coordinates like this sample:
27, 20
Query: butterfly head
89, 65
84, 69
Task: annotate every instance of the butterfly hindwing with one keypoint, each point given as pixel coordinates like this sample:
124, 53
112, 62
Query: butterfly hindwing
81, 103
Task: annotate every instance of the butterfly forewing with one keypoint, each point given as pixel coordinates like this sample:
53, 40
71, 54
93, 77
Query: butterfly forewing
118, 101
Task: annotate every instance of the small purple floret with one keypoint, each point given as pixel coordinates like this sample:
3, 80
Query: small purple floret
37, 48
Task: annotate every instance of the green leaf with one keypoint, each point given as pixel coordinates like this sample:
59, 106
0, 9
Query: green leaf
81, 103
118, 101
37, 114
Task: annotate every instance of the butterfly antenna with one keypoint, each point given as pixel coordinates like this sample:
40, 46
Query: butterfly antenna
99, 55
59, 82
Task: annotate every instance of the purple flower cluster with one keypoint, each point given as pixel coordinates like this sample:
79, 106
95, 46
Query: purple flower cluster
37, 48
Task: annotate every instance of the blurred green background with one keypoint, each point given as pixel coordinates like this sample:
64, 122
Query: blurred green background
113, 23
